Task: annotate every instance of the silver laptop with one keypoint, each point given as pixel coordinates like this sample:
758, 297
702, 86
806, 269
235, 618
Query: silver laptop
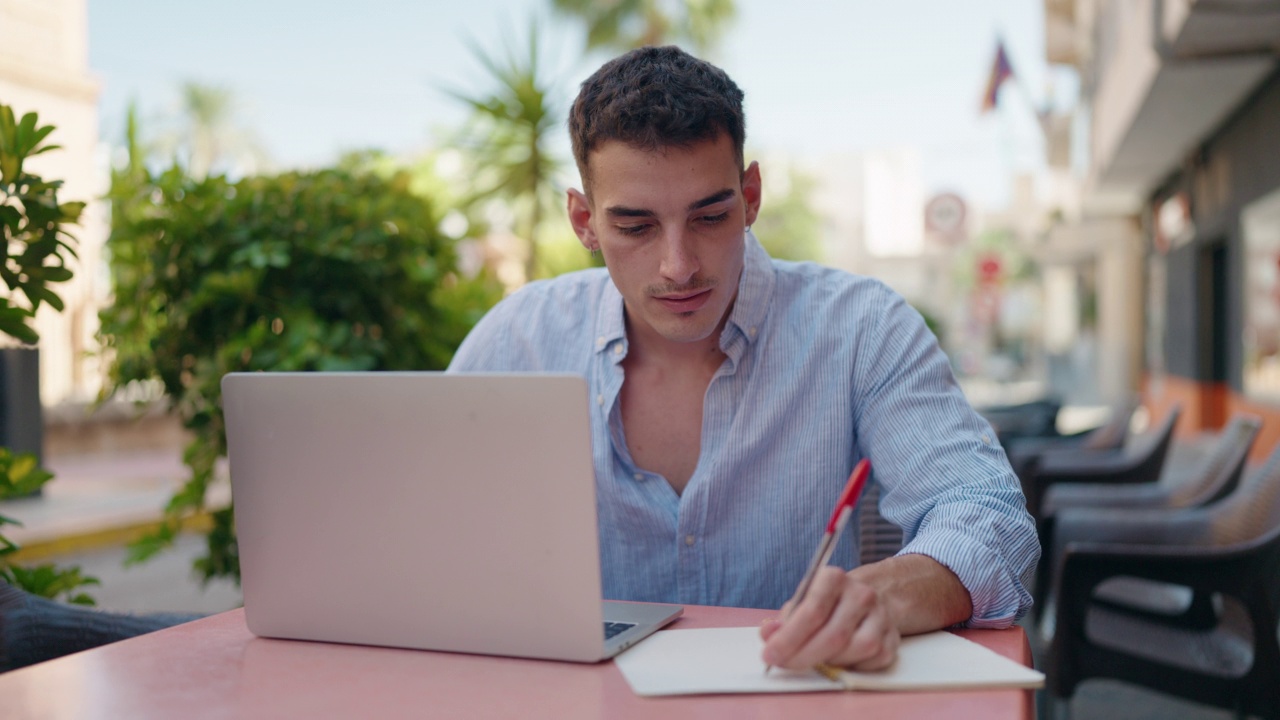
423, 510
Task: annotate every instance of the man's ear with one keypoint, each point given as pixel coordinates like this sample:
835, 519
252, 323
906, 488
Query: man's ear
580, 218
751, 191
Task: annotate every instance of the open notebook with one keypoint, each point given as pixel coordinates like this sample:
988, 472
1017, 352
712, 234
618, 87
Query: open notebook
727, 660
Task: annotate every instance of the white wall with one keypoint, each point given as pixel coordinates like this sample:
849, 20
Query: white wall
44, 69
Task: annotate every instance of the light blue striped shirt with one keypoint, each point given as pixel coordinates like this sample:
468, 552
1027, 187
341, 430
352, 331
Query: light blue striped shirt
822, 369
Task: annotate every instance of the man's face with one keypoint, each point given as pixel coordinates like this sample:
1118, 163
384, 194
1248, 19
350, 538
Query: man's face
671, 225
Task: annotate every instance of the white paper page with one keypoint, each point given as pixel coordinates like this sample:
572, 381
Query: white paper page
709, 660
727, 660
943, 661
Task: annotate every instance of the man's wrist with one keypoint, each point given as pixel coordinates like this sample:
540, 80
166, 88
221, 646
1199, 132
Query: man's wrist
920, 593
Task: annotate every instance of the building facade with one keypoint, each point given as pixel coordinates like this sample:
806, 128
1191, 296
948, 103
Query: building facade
1178, 156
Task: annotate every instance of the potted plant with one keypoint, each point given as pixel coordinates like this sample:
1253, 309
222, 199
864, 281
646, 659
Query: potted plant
35, 252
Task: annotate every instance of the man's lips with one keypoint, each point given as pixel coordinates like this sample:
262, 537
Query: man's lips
685, 302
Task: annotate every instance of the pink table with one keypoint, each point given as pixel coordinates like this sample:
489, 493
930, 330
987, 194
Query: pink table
214, 668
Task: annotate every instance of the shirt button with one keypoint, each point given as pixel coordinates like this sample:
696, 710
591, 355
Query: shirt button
689, 540
600, 342
617, 349
639, 476
986, 439
752, 331
599, 399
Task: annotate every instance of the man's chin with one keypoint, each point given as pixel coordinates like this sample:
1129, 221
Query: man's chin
686, 329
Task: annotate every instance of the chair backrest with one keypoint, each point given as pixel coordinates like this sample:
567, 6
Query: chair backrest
1148, 451
1112, 435
878, 538
1037, 418
1252, 510
1218, 473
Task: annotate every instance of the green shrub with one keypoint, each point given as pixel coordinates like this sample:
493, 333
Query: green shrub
328, 270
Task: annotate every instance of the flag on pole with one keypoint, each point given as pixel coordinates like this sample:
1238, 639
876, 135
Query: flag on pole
1001, 70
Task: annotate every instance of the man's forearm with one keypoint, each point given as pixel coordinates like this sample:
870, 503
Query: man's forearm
921, 593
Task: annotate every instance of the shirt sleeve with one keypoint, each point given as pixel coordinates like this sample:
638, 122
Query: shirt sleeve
507, 338
485, 348
542, 327
945, 479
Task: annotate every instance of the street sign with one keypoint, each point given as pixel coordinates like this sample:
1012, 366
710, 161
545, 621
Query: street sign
944, 217
989, 269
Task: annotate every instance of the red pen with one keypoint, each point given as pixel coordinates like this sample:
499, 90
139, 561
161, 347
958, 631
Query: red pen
839, 517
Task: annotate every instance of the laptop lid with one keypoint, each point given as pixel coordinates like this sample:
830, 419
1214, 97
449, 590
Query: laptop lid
422, 510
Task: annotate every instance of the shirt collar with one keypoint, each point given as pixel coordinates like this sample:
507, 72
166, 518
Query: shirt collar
755, 292
611, 325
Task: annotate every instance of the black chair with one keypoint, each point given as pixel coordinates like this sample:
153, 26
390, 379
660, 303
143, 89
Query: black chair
1035, 419
1230, 549
1110, 436
1140, 461
1214, 476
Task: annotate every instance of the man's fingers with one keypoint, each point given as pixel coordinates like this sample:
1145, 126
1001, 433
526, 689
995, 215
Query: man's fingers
885, 658
842, 621
834, 641
806, 619
769, 627
874, 645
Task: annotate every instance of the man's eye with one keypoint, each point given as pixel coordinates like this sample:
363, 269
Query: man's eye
632, 229
715, 219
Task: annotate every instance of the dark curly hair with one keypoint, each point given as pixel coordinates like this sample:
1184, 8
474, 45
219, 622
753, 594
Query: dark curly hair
652, 98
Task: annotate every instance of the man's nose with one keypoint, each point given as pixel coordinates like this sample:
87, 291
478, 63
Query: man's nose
679, 262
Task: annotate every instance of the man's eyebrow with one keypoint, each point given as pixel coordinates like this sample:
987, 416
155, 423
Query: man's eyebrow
721, 196
620, 211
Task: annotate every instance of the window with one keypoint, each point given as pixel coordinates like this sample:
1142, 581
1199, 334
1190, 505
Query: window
1260, 222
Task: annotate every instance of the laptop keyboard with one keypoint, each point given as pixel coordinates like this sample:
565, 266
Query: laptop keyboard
613, 629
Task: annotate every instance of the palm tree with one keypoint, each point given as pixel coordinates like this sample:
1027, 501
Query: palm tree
208, 113
207, 137
508, 136
628, 24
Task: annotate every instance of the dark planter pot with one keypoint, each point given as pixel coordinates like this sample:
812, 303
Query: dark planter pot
21, 415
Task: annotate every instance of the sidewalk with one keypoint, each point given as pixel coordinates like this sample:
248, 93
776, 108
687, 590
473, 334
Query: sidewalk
94, 506
99, 500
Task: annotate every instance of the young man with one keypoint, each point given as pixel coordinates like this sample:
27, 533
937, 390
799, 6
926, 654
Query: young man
733, 394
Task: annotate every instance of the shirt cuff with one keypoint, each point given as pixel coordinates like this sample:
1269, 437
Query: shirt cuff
999, 598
